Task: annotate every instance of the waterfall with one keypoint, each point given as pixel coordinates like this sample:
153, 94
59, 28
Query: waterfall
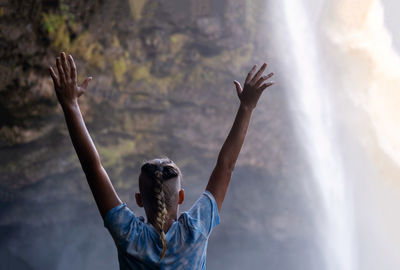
310, 99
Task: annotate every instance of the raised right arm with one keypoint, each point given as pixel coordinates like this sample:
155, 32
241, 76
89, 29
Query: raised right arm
68, 91
253, 87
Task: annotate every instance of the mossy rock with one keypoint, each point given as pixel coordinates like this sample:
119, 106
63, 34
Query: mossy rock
120, 67
87, 47
136, 7
56, 27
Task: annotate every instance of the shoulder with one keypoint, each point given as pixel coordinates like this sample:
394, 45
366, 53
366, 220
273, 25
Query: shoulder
117, 214
122, 223
203, 216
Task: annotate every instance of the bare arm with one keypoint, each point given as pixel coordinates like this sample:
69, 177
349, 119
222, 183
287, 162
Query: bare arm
249, 96
68, 91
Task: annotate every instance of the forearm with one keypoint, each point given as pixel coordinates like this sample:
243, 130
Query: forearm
80, 137
221, 175
249, 96
233, 144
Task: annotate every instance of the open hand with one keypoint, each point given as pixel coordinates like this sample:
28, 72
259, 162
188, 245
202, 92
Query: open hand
254, 85
65, 84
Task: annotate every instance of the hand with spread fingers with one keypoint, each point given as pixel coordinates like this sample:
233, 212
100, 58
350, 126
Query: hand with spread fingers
65, 83
254, 85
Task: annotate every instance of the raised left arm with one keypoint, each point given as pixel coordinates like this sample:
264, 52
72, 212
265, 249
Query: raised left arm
68, 91
250, 94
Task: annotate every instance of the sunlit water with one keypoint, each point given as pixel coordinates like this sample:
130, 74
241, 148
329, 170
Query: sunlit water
310, 100
342, 76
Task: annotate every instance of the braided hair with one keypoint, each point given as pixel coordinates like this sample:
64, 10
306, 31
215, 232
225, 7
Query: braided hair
160, 170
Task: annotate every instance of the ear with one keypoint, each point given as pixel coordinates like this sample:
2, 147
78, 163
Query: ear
181, 196
139, 200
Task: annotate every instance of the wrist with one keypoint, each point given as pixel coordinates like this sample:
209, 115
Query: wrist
246, 108
69, 105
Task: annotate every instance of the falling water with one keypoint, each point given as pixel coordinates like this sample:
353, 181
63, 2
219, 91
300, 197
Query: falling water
312, 109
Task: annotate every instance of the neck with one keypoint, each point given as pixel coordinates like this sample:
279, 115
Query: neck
171, 218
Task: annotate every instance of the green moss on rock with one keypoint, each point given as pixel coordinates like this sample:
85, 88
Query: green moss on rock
177, 41
87, 47
136, 8
120, 66
56, 27
112, 155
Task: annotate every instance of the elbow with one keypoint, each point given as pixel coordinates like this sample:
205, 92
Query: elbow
226, 165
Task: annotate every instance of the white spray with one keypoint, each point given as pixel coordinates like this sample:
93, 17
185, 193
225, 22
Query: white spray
344, 78
310, 100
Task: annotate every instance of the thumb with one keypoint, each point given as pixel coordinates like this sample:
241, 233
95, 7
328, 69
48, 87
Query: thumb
85, 83
238, 87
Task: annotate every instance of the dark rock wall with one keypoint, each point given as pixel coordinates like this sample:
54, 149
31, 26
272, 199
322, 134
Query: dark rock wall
163, 73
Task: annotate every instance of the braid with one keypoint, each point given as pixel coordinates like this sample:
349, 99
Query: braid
157, 193
161, 210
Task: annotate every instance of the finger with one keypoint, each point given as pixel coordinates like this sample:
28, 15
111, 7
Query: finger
54, 77
270, 75
73, 67
65, 65
60, 71
259, 73
250, 74
266, 85
238, 87
263, 79
81, 91
85, 83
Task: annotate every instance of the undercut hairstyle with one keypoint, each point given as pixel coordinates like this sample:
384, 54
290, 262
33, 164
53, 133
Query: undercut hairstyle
159, 191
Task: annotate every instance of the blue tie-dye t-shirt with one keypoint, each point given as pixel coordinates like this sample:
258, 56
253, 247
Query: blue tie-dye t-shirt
139, 245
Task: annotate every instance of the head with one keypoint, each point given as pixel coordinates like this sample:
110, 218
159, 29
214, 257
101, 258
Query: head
160, 193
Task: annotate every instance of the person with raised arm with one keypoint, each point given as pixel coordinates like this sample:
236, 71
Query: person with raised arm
167, 240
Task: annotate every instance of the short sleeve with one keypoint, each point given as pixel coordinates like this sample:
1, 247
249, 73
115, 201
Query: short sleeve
121, 222
204, 213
